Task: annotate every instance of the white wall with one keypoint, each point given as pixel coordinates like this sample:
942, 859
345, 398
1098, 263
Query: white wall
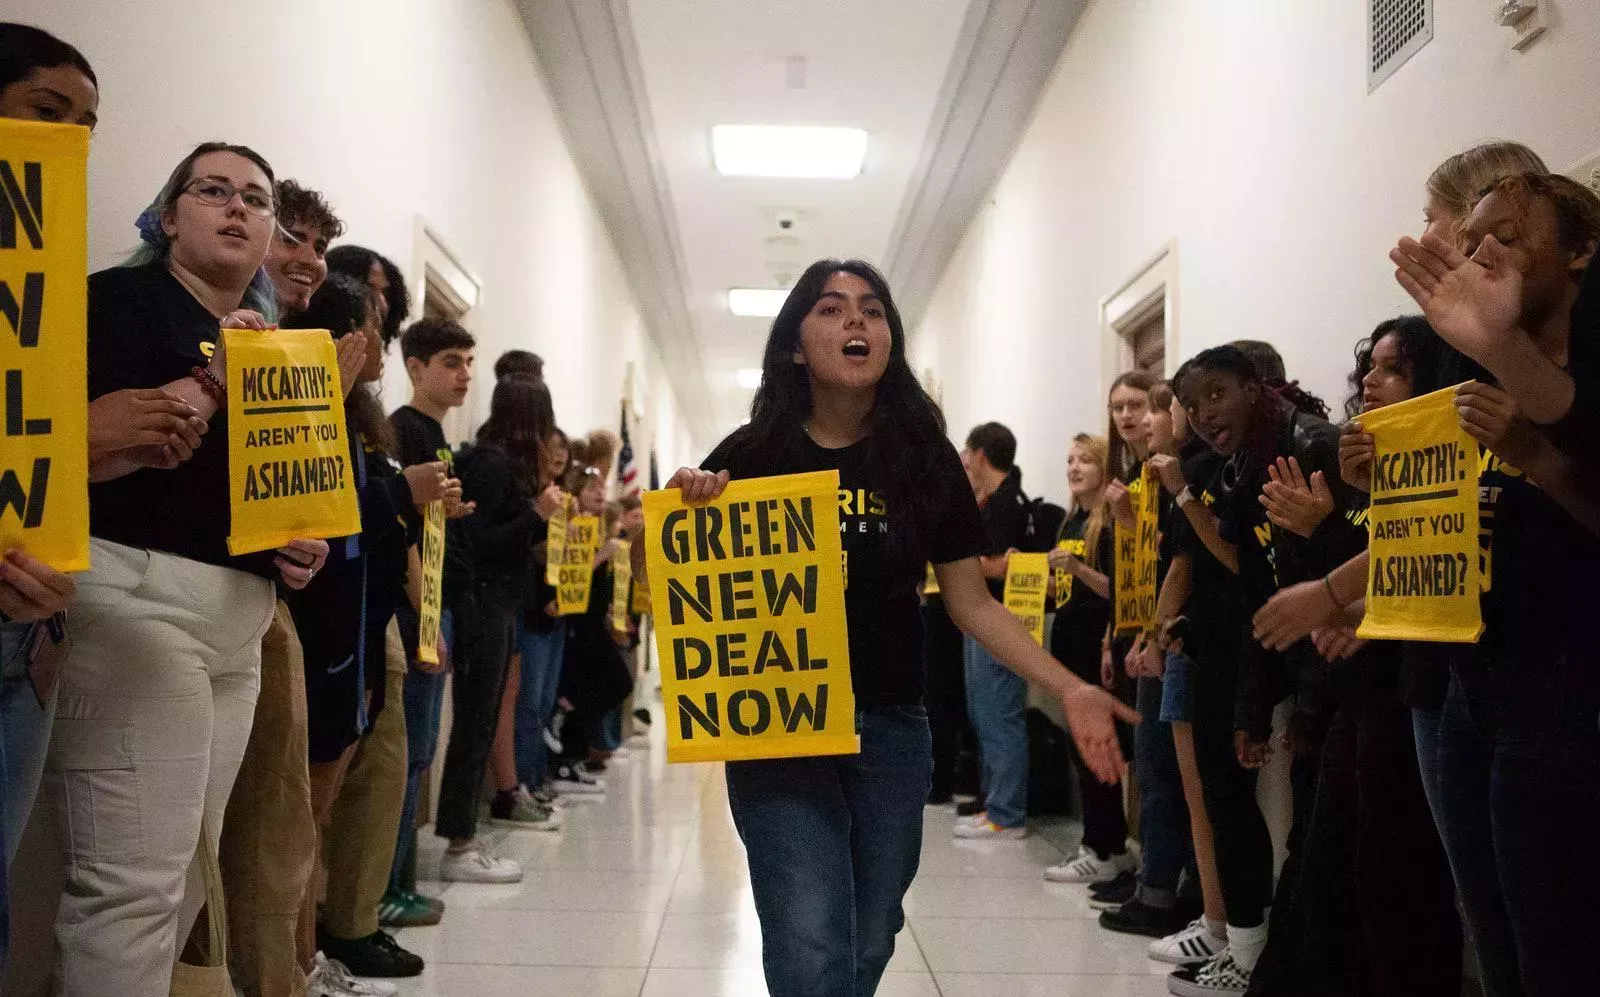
394, 109
1245, 132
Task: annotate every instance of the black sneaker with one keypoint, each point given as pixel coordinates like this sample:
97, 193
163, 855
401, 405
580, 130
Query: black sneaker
971, 807
939, 797
1114, 893
378, 955
1138, 918
643, 716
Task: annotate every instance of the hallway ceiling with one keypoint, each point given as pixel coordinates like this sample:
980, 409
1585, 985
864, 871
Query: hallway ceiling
943, 87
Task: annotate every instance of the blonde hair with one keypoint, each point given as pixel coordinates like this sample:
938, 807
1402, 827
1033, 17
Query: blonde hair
1460, 181
1099, 452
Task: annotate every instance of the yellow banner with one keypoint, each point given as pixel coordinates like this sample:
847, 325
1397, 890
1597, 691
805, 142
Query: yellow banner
1064, 579
432, 584
641, 600
44, 473
556, 541
288, 455
754, 648
1138, 550
931, 585
621, 587
1424, 524
1026, 576
577, 565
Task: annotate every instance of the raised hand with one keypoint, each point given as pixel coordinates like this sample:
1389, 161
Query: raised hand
1293, 503
1474, 304
1356, 450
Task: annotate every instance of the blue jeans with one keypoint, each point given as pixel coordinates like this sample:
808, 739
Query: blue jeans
605, 732
424, 702
1425, 726
542, 655
996, 699
24, 737
833, 845
1164, 814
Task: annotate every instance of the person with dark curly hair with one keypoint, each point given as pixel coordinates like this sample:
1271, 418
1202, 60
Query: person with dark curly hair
297, 261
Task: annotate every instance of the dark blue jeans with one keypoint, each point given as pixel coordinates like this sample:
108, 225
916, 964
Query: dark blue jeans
1164, 837
542, 655
1520, 800
996, 700
833, 845
424, 702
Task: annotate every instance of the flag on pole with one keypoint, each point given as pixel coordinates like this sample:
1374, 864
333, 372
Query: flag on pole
655, 473
627, 469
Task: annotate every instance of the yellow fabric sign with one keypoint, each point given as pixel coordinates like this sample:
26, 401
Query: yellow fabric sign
44, 473
1064, 579
1423, 522
641, 600
577, 565
556, 540
432, 584
288, 458
754, 647
1026, 576
931, 585
621, 587
1138, 550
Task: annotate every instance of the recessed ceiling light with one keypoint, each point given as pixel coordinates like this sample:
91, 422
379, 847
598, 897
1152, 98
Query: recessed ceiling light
788, 151
757, 302
749, 378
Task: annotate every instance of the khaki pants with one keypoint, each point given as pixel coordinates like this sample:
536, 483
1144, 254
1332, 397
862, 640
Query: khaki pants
157, 697
359, 846
356, 803
269, 840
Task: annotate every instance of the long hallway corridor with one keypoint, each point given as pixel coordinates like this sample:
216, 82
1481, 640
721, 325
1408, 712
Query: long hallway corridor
645, 894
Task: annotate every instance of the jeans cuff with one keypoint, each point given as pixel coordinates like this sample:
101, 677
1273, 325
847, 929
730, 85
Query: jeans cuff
1160, 899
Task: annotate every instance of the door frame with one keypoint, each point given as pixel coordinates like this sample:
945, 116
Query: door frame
1152, 288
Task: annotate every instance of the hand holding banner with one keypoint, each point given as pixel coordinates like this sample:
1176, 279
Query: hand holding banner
288, 457
44, 466
1025, 589
1423, 519
556, 541
1064, 578
1138, 550
750, 628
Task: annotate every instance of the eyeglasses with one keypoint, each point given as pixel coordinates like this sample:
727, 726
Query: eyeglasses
220, 193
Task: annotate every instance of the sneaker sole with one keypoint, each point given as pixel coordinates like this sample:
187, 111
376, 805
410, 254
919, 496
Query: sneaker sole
1103, 903
525, 825
1189, 988
1174, 959
419, 921
490, 880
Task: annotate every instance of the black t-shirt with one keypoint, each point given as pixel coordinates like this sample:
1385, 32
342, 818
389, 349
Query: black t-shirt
146, 330
881, 604
1213, 605
1080, 622
505, 526
418, 440
1005, 524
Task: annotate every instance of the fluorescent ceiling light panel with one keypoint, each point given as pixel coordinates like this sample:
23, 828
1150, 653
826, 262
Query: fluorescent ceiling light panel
749, 378
788, 151
757, 302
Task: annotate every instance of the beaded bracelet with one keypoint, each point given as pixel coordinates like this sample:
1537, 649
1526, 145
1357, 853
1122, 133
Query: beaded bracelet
215, 389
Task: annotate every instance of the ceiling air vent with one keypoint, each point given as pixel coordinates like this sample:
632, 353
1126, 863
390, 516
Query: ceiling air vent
1396, 30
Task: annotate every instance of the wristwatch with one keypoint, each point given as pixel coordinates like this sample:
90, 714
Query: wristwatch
1184, 497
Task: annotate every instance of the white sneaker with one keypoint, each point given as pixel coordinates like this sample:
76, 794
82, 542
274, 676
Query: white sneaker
973, 819
1221, 977
1193, 944
571, 780
329, 978
1087, 867
639, 740
528, 814
620, 755
988, 830
478, 865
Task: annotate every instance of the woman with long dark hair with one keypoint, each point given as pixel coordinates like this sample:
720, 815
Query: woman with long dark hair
833, 842
502, 473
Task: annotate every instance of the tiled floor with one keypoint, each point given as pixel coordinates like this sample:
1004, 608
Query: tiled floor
645, 895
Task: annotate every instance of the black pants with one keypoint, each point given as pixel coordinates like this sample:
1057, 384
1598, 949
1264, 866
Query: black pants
1368, 907
484, 635
947, 693
1243, 844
